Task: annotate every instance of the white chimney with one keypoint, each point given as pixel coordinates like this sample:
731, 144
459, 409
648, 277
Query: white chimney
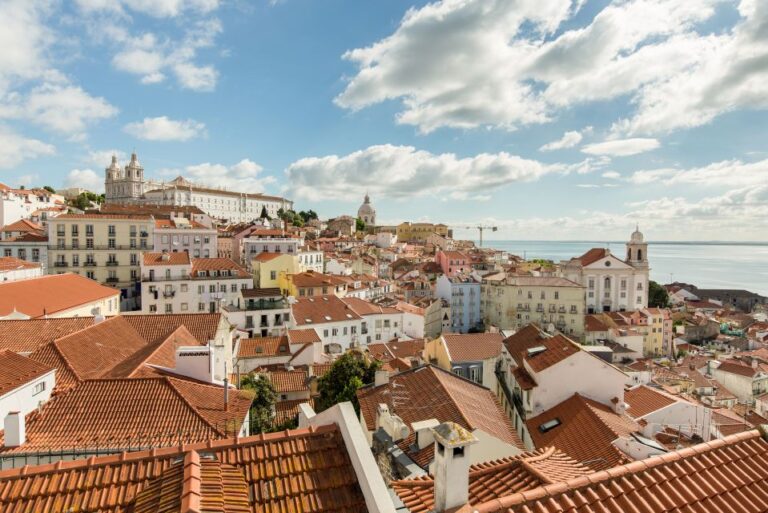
452, 445
381, 378
195, 362
391, 424
15, 429
423, 430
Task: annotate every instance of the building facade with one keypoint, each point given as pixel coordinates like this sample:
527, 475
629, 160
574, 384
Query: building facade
181, 234
103, 247
463, 293
612, 284
16, 204
128, 185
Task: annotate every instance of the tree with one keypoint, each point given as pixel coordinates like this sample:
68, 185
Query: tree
657, 296
264, 214
308, 215
260, 413
359, 225
50, 189
348, 373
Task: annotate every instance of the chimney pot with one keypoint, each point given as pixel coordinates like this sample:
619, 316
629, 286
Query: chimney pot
451, 474
15, 429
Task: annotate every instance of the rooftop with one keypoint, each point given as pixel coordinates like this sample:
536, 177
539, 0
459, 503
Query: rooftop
472, 347
321, 309
166, 258
17, 370
52, 294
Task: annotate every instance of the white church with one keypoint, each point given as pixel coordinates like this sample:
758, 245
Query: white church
612, 284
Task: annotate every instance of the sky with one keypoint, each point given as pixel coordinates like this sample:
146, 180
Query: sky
551, 119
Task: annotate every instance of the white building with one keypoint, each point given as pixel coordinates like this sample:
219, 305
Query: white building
366, 212
612, 284
311, 260
180, 234
176, 283
130, 186
16, 204
260, 312
13, 269
25, 240
26, 384
268, 241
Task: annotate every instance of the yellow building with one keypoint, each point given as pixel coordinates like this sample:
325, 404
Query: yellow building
419, 232
268, 266
654, 324
103, 247
311, 284
512, 302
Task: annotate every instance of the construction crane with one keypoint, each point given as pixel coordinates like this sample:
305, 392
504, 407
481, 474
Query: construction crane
480, 228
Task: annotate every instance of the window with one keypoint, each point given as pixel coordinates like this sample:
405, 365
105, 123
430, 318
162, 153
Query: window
201, 307
200, 289
184, 287
134, 259
233, 287
39, 387
89, 243
134, 274
211, 288
7, 252
168, 309
272, 275
89, 230
325, 333
111, 243
75, 260
530, 295
153, 308
60, 230
335, 332
557, 295
35, 255
75, 243
89, 275
591, 283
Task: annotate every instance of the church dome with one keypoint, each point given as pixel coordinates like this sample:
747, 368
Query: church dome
637, 235
366, 212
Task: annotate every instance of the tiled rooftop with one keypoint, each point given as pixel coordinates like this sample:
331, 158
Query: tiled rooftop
16, 264
25, 336
16, 370
429, 392
643, 400
305, 336
200, 265
166, 258
50, 294
122, 413
305, 470
153, 328
586, 431
472, 347
320, 310
289, 381
264, 347
494, 479
722, 475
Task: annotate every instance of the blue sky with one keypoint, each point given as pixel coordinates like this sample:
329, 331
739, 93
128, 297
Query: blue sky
554, 119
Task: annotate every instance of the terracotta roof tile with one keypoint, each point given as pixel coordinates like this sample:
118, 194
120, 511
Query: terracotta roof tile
721, 475
302, 470
305, 336
593, 255
286, 411
429, 392
15, 264
737, 367
362, 307
320, 310
153, 327
472, 347
22, 225
494, 479
121, 413
643, 400
16, 370
25, 336
289, 381
166, 258
266, 257
556, 349
51, 294
264, 347
200, 265
586, 431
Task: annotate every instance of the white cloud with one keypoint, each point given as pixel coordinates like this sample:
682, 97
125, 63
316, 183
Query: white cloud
156, 8
611, 175
24, 39
621, 147
65, 109
727, 173
403, 171
467, 64
245, 176
164, 129
86, 179
568, 140
15, 149
102, 158
152, 57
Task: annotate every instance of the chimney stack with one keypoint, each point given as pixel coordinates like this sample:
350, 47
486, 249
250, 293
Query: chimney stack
381, 378
451, 472
15, 429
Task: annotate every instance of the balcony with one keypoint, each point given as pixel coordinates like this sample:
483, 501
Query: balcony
112, 263
169, 293
89, 264
113, 280
266, 305
562, 310
60, 264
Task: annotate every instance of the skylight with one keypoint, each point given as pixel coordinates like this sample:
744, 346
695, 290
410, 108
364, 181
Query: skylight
549, 425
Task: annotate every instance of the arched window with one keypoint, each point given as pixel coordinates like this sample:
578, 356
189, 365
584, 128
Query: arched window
639, 254
607, 283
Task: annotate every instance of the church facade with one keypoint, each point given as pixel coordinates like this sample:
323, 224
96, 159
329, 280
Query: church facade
128, 185
612, 284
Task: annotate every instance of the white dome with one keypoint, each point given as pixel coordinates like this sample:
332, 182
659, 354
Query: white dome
637, 235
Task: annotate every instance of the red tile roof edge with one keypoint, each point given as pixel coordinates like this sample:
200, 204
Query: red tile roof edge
504, 503
225, 443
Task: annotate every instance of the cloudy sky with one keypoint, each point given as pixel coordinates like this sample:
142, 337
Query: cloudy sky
554, 119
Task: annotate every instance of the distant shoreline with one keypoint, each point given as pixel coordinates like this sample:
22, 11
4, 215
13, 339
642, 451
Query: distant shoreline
487, 242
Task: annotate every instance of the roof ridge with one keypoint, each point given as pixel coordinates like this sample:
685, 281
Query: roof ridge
158, 346
67, 363
526, 463
169, 382
508, 501
458, 407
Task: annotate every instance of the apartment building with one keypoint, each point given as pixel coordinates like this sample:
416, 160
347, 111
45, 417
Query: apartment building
261, 312
462, 292
181, 234
511, 302
16, 204
176, 283
103, 247
25, 240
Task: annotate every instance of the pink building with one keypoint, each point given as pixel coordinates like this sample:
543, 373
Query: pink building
453, 262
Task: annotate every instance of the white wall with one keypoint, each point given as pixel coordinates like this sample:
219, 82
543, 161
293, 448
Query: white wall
24, 399
581, 372
21, 274
687, 417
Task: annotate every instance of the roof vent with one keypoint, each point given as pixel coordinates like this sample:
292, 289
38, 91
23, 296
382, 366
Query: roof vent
327, 317
533, 351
